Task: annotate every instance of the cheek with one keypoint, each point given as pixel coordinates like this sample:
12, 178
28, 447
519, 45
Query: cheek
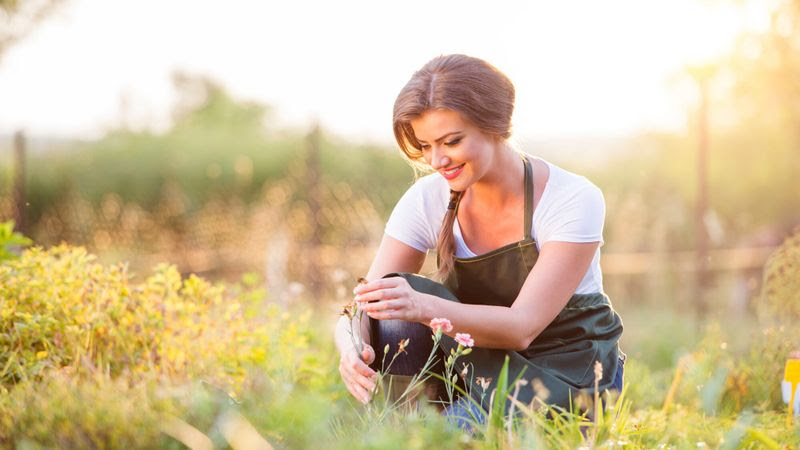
480, 156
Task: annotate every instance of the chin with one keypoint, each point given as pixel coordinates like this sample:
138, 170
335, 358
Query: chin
458, 185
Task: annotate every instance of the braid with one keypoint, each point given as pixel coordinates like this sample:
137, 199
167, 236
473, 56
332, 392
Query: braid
446, 245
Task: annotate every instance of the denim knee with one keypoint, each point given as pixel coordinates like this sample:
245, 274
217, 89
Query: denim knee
391, 332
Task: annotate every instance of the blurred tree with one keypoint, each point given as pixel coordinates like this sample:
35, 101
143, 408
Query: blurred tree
202, 102
753, 161
762, 158
767, 68
18, 17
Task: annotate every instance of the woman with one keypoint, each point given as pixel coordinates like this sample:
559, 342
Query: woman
517, 240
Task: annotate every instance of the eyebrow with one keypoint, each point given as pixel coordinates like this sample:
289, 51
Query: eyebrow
444, 136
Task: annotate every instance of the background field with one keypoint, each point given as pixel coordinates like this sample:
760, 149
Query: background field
226, 243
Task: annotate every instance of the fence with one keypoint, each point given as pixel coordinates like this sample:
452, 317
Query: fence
323, 241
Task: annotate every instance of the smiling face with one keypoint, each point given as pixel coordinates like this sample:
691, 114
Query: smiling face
454, 147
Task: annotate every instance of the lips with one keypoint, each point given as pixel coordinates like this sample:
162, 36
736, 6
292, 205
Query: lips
452, 172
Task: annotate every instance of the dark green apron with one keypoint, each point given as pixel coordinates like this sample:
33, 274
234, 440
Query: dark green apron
562, 357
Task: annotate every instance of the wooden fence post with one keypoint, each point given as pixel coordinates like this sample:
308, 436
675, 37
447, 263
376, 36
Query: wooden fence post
701, 230
20, 201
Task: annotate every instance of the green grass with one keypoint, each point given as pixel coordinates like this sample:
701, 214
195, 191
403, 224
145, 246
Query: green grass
274, 372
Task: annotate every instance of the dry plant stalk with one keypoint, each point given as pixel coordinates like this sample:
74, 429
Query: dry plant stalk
352, 311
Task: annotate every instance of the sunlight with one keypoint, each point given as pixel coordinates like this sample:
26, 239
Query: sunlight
580, 68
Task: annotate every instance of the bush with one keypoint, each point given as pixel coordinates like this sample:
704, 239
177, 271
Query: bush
58, 308
780, 295
92, 358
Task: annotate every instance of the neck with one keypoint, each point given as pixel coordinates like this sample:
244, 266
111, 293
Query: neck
503, 184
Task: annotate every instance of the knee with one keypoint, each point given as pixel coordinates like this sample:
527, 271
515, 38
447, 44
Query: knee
391, 332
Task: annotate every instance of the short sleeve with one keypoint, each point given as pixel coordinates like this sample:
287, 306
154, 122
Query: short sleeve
411, 219
577, 216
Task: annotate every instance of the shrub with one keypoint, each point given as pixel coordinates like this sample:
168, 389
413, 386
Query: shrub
780, 294
59, 308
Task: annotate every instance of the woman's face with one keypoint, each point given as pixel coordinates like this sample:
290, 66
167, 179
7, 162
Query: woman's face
454, 147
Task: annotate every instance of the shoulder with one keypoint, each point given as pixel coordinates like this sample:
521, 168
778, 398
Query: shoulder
417, 216
563, 180
430, 191
572, 208
565, 187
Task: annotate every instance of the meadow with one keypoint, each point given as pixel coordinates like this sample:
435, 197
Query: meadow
181, 289
94, 358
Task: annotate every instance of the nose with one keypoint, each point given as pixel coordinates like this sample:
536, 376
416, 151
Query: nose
438, 159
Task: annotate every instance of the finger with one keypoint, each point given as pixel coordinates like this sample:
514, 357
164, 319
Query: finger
355, 366
379, 294
368, 354
382, 305
390, 314
359, 368
358, 392
381, 283
366, 383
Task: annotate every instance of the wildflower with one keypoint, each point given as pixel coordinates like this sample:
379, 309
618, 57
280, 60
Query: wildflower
464, 371
598, 371
440, 323
465, 339
401, 346
484, 382
348, 310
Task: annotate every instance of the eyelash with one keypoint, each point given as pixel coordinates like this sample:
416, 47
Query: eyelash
452, 143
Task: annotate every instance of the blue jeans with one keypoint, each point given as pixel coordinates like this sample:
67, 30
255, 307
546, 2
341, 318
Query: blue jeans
464, 412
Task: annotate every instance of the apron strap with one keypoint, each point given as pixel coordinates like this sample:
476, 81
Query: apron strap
455, 197
528, 196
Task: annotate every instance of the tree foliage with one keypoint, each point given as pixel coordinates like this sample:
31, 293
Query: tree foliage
19, 17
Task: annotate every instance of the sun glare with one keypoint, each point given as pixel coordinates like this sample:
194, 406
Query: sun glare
580, 68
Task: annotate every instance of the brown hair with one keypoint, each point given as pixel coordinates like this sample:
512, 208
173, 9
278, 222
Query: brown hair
478, 91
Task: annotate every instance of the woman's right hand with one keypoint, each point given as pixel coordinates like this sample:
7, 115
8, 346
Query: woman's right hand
359, 378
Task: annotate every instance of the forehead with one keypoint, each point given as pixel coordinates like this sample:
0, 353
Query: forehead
435, 123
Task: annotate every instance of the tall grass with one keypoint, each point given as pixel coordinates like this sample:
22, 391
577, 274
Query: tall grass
92, 358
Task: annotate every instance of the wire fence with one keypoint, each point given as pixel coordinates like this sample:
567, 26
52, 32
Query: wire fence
325, 239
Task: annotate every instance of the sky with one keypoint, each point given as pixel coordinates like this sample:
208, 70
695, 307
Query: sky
581, 68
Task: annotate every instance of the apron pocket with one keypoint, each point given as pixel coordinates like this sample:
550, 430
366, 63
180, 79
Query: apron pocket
571, 363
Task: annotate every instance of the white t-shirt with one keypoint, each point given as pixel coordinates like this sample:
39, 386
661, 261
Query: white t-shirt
571, 209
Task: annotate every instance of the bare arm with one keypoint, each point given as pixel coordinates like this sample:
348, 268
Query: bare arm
358, 377
392, 256
550, 284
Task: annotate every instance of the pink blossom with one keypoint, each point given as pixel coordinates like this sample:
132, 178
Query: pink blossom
465, 339
440, 323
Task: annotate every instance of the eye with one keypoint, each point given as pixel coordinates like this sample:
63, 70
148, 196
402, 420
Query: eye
453, 142
424, 147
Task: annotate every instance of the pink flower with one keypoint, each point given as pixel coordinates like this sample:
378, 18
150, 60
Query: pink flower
440, 323
465, 339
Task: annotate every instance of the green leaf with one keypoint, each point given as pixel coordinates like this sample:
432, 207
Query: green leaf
499, 400
10, 239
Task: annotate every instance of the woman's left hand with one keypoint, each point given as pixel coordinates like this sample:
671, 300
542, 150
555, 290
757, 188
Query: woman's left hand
390, 298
